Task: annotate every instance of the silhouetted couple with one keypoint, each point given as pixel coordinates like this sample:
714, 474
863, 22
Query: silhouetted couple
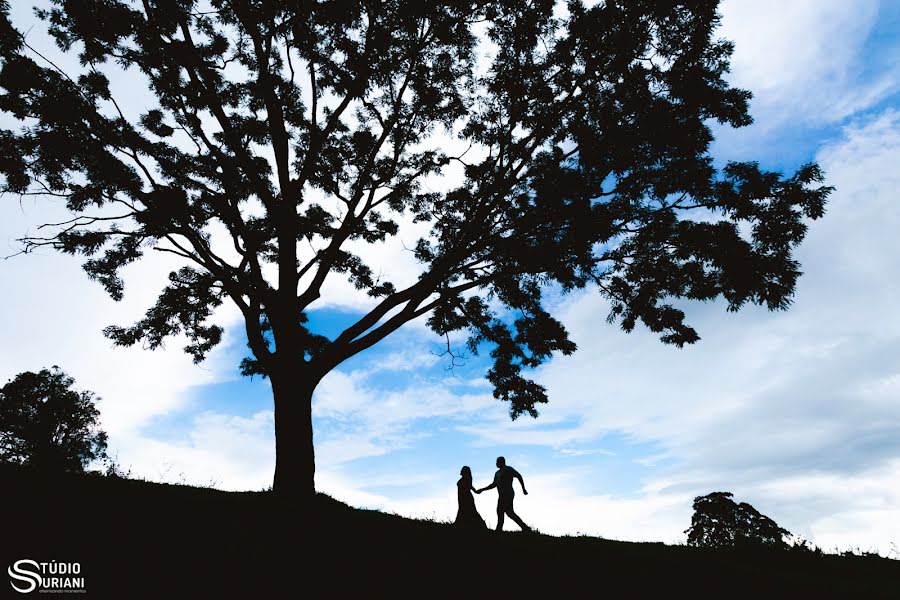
503, 480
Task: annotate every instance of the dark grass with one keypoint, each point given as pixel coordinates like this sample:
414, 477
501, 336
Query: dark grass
140, 539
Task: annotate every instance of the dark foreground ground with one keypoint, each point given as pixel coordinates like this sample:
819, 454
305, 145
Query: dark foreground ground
137, 539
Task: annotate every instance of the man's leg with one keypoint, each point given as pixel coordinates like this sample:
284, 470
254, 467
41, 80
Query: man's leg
512, 515
500, 511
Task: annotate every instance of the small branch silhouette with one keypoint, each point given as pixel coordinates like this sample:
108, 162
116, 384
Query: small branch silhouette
457, 359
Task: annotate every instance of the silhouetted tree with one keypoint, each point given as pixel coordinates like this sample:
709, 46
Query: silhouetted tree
719, 522
47, 425
301, 132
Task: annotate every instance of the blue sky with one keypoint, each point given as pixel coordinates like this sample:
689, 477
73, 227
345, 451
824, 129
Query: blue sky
797, 413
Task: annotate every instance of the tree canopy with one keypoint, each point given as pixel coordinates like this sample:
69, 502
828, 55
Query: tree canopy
720, 522
47, 425
284, 138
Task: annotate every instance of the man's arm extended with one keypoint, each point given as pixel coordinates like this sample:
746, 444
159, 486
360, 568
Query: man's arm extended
487, 487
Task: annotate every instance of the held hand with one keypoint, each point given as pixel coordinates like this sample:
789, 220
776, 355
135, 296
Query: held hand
477, 491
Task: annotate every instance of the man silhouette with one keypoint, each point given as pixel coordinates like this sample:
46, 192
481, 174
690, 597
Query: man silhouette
503, 481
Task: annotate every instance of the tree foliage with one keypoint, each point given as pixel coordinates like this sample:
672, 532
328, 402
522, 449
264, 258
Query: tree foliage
286, 138
719, 522
47, 425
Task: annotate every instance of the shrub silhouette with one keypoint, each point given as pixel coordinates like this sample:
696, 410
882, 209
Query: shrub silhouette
719, 522
47, 425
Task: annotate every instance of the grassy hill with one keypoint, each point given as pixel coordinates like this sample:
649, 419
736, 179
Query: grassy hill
139, 539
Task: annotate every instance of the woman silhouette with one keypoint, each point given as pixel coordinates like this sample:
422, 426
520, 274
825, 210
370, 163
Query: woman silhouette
467, 516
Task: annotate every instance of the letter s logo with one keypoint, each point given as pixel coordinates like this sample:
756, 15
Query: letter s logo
31, 578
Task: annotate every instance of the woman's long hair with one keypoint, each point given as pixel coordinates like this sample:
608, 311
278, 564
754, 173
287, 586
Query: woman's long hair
466, 473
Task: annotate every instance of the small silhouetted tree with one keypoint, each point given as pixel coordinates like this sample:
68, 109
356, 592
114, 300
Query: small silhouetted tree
47, 425
283, 137
719, 522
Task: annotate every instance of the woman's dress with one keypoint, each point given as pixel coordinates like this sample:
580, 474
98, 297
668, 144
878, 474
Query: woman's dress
467, 516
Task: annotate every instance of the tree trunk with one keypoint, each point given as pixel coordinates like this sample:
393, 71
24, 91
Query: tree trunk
295, 462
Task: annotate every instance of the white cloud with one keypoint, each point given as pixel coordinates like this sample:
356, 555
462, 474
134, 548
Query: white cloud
802, 58
363, 420
224, 451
